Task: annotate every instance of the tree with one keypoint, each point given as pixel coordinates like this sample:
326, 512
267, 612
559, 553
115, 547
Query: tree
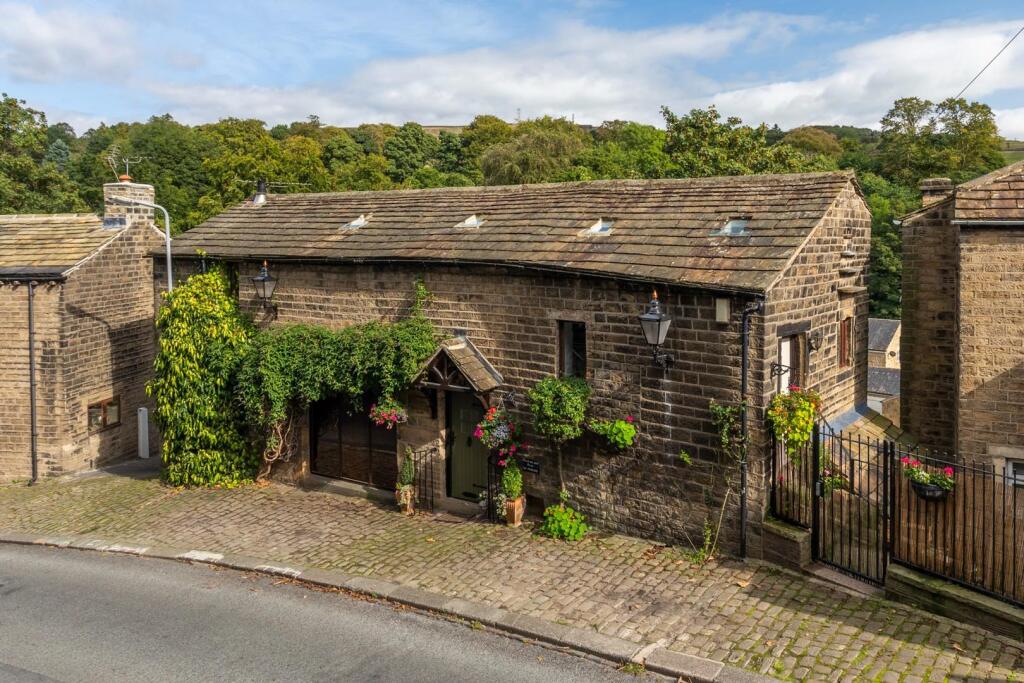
302, 165
700, 144
58, 154
409, 149
365, 173
482, 133
813, 141
28, 182
428, 176
887, 201
953, 139
372, 136
340, 149
542, 150
626, 150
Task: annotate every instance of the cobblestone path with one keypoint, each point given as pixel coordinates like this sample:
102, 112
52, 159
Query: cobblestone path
749, 615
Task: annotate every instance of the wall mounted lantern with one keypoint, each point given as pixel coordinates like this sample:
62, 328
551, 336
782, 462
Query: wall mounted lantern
655, 324
815, 339
265, 284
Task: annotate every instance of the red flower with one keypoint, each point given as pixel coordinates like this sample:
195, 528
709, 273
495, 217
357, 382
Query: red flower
948, 471
629, 419
905, 460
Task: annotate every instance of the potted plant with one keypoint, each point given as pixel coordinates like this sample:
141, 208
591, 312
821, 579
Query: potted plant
512, 490
501, 434
620, 434
387, 413
405, 490
928, 485
791, 416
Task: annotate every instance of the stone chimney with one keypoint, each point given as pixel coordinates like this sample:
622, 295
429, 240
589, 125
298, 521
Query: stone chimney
116, 215
935, 190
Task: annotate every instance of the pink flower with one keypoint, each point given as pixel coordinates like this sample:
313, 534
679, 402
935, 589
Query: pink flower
905, 460
915, 463
629, 419
478, 433
512, 448
501, 463
793, 387
948, 471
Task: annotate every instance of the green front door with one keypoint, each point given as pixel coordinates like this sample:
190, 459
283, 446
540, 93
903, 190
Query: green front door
467, 457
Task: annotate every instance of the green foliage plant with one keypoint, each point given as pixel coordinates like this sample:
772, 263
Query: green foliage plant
559, 408
203, 339
289, 367
407, 471
512, 480
791, 416
620, 434
563, 522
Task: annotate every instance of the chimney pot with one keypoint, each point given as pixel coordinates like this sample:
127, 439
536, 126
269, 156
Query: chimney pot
124, 178
935, 190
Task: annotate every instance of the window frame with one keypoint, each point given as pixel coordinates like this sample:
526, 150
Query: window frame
104, 408
797, 372
572, 362
845, 342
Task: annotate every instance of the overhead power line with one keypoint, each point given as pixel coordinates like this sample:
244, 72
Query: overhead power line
978, 75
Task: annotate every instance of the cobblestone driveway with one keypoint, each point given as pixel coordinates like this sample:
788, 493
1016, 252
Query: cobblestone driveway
751, 616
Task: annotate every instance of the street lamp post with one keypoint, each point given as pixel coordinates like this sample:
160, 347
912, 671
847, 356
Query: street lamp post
167, 230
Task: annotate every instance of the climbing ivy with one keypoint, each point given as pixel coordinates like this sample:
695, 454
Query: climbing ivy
203, 338
287, 368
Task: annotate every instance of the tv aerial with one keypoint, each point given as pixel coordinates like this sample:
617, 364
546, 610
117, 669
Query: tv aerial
115, 159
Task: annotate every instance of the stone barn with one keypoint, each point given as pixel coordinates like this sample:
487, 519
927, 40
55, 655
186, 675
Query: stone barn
762, 274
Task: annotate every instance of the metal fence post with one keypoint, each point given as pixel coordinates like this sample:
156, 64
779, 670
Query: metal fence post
815, 491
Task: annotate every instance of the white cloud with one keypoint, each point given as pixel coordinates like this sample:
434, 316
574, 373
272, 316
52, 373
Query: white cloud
581, 70
63, 43
933, 63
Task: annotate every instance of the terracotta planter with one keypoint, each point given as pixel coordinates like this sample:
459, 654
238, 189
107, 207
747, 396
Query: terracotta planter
405, 498
514, 510
928, 491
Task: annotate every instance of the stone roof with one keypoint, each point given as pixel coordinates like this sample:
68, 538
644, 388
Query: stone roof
661, 230
880, 333
998, 196
867, 425
48, 245
469, 361
884, 381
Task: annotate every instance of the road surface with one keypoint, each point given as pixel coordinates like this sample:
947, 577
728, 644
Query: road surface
69, 615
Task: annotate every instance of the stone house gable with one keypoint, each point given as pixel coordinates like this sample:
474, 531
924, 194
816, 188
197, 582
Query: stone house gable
963, 364
93, 337
800, 264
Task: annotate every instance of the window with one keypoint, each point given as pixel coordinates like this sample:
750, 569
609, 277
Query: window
845, 343
104, 414
1015, 472
602, 227
792, 362
723, 310
361, 221
471, 222
572, 349
736, 227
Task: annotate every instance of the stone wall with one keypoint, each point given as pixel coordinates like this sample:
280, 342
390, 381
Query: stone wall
928, 346
991, 355
108, 346
15, 420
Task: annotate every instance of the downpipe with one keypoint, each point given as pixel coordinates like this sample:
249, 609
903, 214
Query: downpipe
32, 382
749, 310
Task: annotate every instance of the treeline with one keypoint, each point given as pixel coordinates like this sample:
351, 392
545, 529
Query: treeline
200, 170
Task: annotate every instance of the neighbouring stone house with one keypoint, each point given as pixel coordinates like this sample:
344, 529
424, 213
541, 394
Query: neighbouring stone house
884, 367
963, 317
532, 281
79, 285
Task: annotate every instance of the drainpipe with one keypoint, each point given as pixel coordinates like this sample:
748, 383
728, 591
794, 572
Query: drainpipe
32, 381
750, 309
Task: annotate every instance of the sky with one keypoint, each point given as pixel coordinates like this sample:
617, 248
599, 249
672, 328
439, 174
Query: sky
443, 62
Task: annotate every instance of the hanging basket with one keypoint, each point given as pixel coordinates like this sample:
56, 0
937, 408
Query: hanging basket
929, 491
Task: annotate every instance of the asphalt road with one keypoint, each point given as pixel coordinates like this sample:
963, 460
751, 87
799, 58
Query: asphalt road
68, 615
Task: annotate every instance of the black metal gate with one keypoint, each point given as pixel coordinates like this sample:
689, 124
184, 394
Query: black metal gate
851, 510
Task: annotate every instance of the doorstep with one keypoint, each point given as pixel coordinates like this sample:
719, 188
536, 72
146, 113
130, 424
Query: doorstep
344, 487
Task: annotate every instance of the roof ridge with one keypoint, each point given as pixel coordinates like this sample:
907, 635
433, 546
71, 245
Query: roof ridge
47, 217
751, 178
993, 176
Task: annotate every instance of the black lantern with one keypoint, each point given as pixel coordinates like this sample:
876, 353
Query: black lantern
655, 325
265, 284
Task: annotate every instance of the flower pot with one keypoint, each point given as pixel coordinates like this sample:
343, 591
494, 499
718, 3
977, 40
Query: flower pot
406, 499
928, 491
514, 510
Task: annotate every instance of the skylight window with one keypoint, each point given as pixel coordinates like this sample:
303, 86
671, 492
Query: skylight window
736, 226
602, 227
471, 222
358, 222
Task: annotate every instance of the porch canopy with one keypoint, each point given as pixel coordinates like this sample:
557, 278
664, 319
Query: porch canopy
458, 365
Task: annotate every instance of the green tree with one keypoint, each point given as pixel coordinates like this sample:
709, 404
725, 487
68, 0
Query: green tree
887, 201
813, 141
372, 136
542, 151
368, 172
302, 165
626, 150
28, 182
428, 176
340, 149
701, 144
482, 133
408, 150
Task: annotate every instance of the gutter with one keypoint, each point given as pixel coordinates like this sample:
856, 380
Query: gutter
750, 309
563, 271
988, 223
